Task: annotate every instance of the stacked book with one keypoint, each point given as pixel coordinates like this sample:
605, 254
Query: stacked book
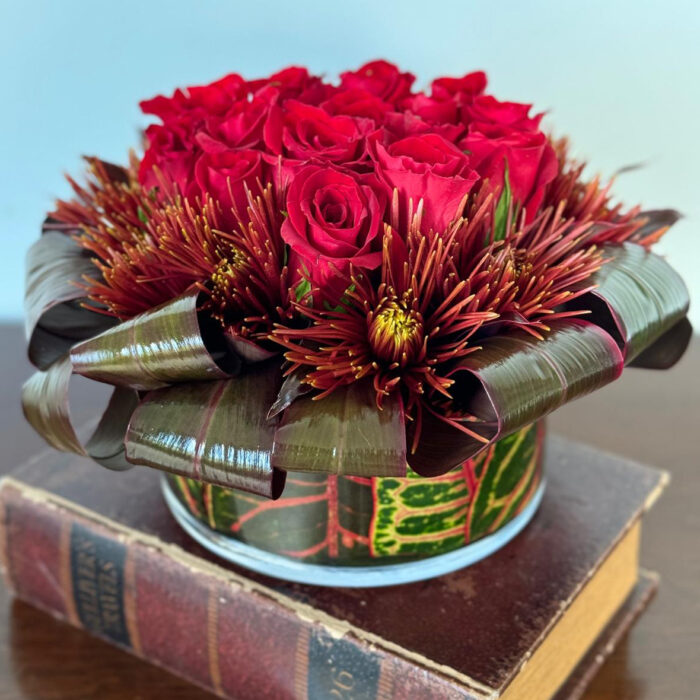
535, 620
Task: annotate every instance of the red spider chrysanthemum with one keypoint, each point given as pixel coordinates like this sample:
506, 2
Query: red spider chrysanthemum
149, 250
399, 332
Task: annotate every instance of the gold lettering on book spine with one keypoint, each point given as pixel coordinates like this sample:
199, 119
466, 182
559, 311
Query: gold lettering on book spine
213, 638
131, 601
65, 573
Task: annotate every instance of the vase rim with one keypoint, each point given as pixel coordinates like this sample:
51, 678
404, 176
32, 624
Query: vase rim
281, 567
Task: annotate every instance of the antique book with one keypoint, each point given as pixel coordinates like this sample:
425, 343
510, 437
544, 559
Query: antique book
535, 620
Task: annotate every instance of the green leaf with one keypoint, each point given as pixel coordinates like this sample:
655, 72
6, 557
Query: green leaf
316, 519
55, 317
343, 304
503, 478
500, 220
345, 433
668, 349
167, 344
302, 289
45, 406
638, 297
424, 517
514, 380
217, 432
416, 516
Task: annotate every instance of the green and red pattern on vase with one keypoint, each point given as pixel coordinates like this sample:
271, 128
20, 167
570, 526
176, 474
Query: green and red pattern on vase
356, 520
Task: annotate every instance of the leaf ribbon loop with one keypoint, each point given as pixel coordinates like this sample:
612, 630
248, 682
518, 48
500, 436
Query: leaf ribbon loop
45, 405
55, 315
513, 381
217, 432
638, 297
162, 346
345, 433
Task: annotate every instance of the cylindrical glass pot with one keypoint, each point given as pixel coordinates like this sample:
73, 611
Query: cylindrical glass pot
356, 531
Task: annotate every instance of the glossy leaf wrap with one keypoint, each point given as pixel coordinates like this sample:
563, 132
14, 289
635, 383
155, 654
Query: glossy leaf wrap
216, 432
512, 381
344, 433
637, 298
45, 405
54, 315
159, 347
355, 521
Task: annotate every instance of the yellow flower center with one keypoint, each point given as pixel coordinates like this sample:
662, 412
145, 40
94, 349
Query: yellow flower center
396, 330
230, 271
522, 266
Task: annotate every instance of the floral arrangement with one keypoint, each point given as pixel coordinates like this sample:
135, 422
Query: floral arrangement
347, 277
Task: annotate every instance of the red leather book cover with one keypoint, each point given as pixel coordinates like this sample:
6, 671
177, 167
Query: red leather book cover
101, 551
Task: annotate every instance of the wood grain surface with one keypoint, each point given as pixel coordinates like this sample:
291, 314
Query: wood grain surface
653, 417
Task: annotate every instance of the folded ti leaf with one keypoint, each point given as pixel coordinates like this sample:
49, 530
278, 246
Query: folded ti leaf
54, 311
167, 344
668, 349
514, 380
344, 433
638, 298
217, 432
45, 405
246, 349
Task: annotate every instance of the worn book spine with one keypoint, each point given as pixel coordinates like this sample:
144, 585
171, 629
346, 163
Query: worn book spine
213, 627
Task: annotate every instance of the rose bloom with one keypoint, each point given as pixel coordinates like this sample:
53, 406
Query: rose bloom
170, 150
487, 111
302, 132
379, 78
529, 157
197, 102
240, 127
356, 102
294, 82
461, 91
430, 110
424, 166
335, 219
224, 175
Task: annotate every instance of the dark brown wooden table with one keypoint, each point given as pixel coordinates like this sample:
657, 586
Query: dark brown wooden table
650, 416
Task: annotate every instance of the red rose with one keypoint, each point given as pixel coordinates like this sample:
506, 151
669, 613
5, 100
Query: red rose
399, 125
487, 111
301, 131
241, 126
170, 151
379, 78
431, 110
291, 83
223, 175
357, 103
459, 90
531, 160
428, 167
204, 100
335, 219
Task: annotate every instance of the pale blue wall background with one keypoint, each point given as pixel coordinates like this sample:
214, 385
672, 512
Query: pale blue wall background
622, 78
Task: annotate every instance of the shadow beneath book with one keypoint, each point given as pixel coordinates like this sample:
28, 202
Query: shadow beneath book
617, 679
